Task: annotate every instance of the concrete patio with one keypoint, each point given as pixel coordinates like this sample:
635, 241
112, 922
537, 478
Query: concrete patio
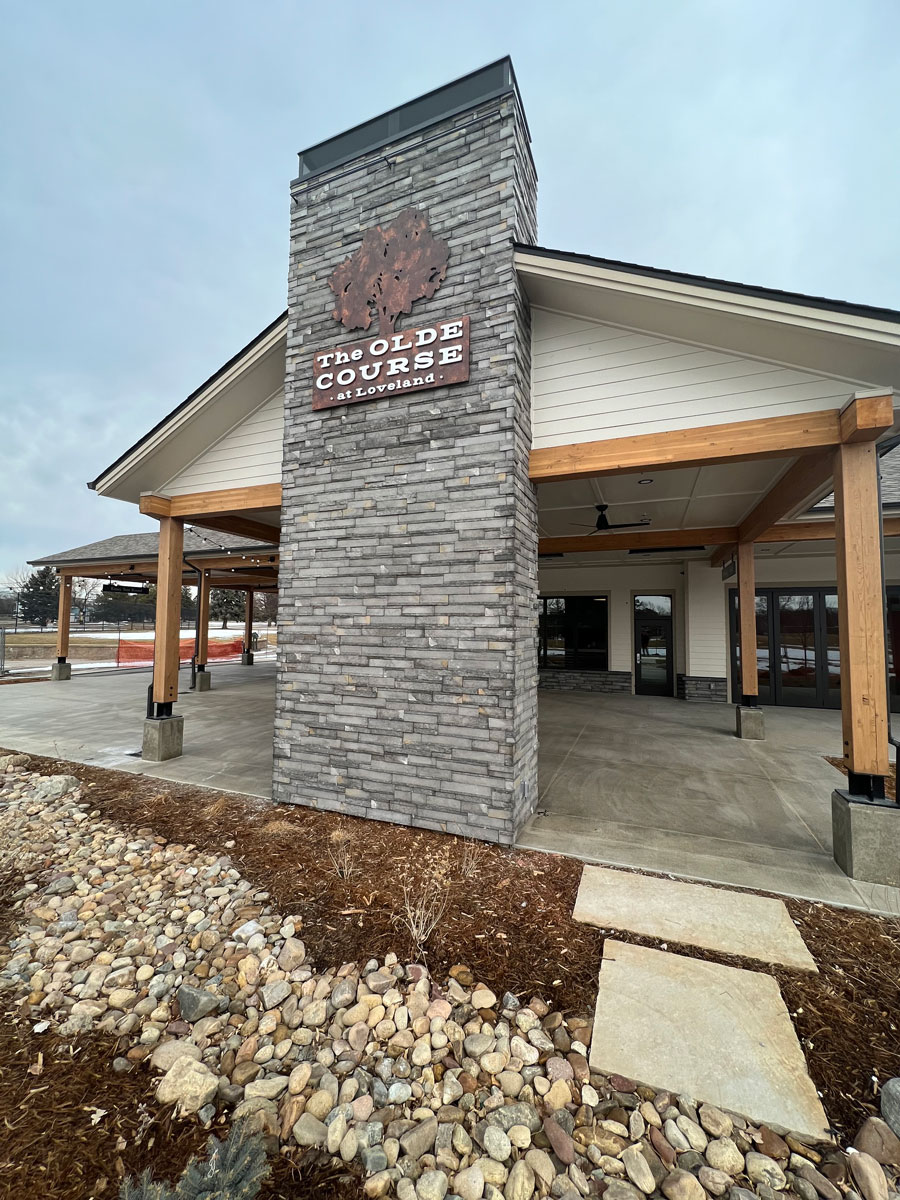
633, 781
661, 785
99, 719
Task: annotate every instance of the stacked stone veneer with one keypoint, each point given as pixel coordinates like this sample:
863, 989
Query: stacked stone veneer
703, 688
407, 677
555, 679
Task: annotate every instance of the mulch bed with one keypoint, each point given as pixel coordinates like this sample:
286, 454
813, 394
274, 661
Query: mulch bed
509, 918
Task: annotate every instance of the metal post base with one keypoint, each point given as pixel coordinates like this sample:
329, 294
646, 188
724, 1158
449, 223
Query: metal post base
866, 836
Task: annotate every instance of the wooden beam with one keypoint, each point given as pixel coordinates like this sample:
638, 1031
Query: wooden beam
864, 696
770, 437
64, 618
866, 418
248, 622
747, 623
242, 526
643, 539
154, 506
203, 618
794, 489
226, 501
168, 610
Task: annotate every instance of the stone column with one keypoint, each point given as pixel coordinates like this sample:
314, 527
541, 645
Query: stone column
407, 677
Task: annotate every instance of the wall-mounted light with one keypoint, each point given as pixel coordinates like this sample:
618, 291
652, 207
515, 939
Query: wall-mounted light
644, 482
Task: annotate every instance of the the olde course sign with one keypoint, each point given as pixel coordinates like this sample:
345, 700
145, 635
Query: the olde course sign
395, 266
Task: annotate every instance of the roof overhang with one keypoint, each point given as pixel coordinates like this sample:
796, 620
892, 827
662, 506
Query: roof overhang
227, 397
850, 342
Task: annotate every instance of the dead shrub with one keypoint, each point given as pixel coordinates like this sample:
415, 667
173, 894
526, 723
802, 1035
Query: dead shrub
340, 851
425, 901
473, 854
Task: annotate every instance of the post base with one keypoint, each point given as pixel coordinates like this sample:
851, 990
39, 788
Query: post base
749, 723
866, 837
163, 739
247, 658
203, 681
61, 670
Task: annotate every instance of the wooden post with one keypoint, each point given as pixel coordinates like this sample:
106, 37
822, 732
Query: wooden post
64, 619
248, 622
168, 610
864, 696
203, 619
747, 620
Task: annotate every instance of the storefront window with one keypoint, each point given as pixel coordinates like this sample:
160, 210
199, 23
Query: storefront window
574, 633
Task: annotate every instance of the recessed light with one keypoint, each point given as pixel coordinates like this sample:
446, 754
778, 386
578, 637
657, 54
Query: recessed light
642, 482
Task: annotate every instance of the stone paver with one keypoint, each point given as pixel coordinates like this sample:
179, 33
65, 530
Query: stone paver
719, 1034
728, 922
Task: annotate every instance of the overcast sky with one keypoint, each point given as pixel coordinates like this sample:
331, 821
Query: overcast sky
146, 149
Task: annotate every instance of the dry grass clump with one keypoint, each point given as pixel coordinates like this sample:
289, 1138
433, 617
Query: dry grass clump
340, 851
425, 901
472, 856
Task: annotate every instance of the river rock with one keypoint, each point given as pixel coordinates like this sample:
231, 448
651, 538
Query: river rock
723, 1154
762, 1169
195, 1003
876, 1138
188, 1084
868, 1176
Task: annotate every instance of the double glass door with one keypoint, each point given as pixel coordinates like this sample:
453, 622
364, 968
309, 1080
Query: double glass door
798, 656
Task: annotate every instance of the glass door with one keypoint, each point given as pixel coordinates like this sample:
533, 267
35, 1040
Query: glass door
795, 663
653, 673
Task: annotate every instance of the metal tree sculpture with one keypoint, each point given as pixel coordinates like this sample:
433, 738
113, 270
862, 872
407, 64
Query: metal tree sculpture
395, 266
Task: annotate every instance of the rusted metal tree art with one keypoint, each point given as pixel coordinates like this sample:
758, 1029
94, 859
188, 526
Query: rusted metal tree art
395, 266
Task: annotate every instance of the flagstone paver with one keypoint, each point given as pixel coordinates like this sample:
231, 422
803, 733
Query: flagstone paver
715, 919
719, 1034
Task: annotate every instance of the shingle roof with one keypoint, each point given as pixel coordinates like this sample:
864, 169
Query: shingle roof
132, 546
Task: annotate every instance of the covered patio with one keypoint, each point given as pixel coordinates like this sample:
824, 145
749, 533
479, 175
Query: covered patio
635, 781
651, 783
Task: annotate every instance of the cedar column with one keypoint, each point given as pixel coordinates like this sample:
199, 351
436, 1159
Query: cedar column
65, 618
62, 669
168, 615
747, 624
864, 696
203, 620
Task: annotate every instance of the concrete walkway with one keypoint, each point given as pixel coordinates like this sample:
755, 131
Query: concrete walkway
662, 785
99, 719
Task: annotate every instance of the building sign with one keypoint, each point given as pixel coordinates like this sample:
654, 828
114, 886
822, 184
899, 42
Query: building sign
729, 569
396, 265
429, 357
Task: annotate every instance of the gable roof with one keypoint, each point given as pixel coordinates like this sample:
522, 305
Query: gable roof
127, 547
190, 407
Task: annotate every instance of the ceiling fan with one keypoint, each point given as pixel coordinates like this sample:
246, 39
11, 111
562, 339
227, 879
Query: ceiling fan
603, 524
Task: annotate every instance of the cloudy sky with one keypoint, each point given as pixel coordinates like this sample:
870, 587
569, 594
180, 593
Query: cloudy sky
146, 150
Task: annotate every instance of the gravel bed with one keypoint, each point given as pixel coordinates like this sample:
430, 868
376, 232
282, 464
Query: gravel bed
435, 1088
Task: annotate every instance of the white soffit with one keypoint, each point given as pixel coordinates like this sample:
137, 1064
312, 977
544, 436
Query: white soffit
843, 345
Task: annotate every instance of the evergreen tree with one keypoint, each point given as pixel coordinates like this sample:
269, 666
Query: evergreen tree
39, 597
226, 604
233, 1170
188, 604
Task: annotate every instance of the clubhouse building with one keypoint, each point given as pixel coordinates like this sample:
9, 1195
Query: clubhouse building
474, 467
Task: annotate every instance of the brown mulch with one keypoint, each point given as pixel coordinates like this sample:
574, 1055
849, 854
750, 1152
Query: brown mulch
890, 782
510, 920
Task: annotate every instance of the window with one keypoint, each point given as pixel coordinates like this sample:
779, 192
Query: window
653, 606
574, 633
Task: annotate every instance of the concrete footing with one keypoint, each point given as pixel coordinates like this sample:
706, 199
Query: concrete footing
163, 739
750, 723
61, 671
203, 681
247, 658
866, 838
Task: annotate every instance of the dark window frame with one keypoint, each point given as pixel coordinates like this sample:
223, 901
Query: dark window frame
568, 626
